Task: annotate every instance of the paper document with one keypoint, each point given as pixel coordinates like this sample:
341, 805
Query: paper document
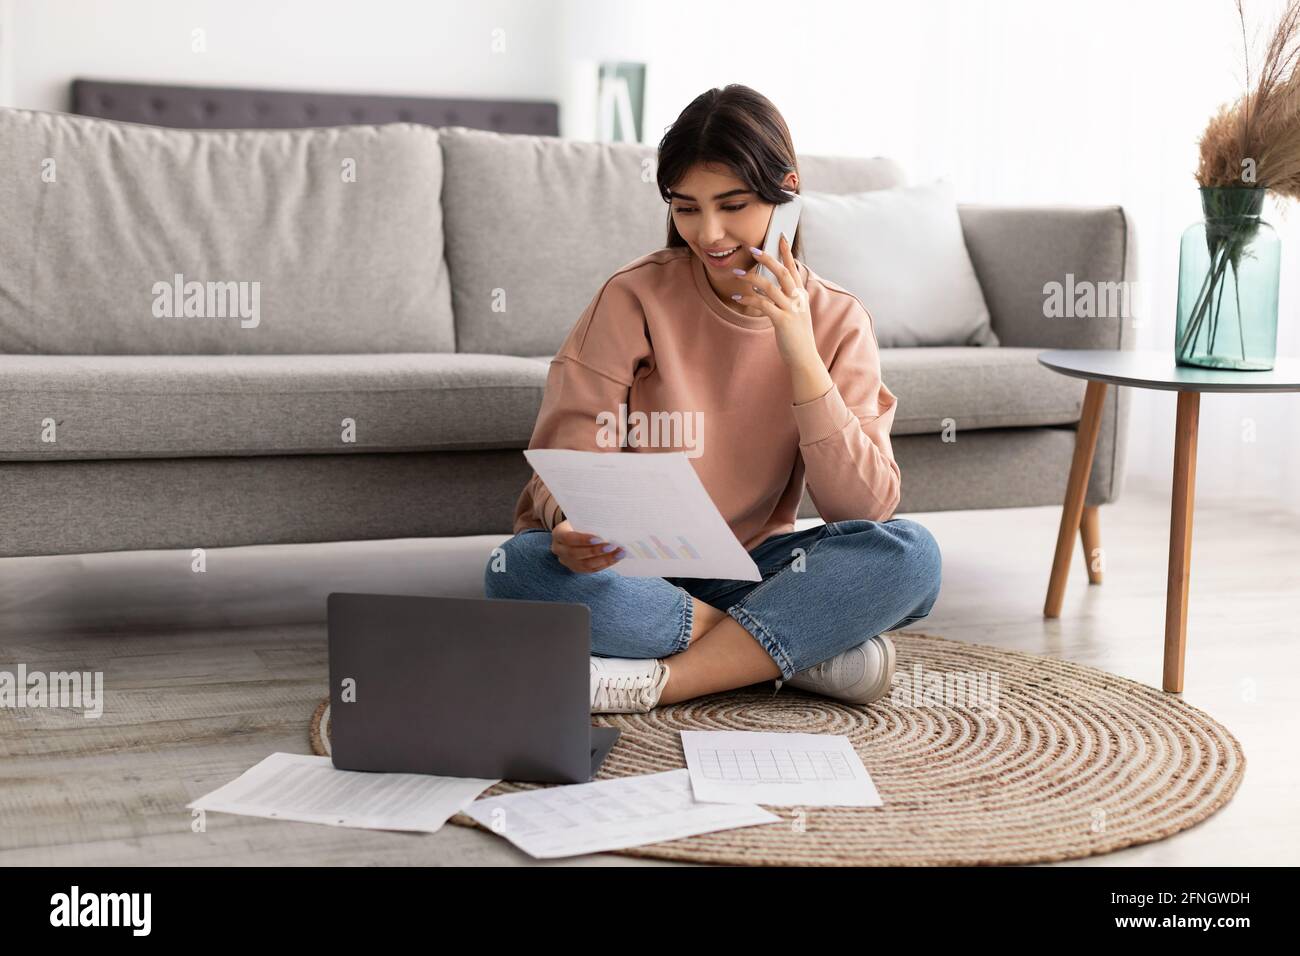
311, 790
653, 505
608, 815
812, 770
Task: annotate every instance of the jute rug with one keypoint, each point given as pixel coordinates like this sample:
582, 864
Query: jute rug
981, 756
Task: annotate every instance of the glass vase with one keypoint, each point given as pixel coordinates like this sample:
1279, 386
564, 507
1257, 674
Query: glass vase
1228, 269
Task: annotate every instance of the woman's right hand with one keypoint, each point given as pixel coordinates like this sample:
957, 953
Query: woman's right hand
580, 552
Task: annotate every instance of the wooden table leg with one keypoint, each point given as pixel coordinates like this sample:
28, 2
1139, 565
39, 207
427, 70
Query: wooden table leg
1085, 444
1090, 535
1180, 538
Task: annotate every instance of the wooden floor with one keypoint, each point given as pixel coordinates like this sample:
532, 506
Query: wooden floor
208, 673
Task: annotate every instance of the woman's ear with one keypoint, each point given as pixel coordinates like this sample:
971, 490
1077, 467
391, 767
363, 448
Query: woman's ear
791, 182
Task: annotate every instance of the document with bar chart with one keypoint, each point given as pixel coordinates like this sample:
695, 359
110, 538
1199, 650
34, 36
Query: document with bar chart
653, 504
777, 769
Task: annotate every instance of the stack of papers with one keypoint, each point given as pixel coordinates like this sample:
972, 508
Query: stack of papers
728, 774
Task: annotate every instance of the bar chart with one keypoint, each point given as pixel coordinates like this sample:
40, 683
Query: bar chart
652, 548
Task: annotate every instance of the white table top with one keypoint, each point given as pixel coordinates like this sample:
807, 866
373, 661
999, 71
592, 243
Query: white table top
1153, 368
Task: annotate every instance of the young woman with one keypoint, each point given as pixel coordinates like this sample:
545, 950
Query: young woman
786, 377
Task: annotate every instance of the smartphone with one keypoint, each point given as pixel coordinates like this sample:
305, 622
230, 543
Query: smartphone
784, 221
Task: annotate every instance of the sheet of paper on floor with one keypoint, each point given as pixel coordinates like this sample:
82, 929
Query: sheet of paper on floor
309, 789
777, 769
608, 815
654, 505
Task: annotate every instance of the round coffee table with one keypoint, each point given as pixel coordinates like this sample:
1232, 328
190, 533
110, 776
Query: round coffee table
1147, 369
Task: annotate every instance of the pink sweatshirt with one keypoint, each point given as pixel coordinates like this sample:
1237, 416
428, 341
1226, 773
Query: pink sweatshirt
657, 338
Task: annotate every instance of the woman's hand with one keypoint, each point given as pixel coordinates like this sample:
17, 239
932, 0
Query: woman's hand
580, 552
784, 302
787, 306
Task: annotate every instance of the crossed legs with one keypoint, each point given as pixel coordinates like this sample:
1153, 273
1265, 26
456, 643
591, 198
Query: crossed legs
824, 590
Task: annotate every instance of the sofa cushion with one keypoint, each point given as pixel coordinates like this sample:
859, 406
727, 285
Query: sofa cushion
536, 224
98, 218
902, 252
976, 387
119, 406
148, 406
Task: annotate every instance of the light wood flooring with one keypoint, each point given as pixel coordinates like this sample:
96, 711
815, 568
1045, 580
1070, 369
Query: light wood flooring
208, 673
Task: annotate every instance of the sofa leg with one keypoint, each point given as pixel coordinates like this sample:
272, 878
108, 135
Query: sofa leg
1090, 533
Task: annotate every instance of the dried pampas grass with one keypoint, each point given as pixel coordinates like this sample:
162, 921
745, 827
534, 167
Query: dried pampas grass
1256, 140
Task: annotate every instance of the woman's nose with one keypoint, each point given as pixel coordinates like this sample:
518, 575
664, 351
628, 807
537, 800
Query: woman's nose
714, 234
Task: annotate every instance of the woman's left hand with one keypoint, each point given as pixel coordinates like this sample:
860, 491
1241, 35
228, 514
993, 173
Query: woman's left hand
786, 303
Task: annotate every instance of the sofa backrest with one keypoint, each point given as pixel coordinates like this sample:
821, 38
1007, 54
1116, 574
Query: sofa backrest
118, 238
536, 224
319, 240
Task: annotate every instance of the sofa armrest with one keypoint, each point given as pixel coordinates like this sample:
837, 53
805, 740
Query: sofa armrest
1017, 251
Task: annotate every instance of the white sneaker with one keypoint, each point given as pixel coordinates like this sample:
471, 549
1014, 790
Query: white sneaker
623, 686
860, 675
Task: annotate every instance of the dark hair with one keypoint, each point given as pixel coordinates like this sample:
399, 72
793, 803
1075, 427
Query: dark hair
736, 127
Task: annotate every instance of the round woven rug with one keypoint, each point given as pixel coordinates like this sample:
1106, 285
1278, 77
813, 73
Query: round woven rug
981, 756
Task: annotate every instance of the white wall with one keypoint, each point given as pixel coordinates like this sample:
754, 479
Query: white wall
1015, 101
374, 46
6, 51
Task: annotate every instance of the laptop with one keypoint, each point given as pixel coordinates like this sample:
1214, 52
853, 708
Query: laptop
463, 687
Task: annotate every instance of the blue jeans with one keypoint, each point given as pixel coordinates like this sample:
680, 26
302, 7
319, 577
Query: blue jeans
824, 590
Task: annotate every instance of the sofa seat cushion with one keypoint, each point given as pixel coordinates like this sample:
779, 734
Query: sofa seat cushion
976, 387
147, 406
167, 406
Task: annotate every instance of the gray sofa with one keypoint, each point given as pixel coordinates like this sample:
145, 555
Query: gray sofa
419, 300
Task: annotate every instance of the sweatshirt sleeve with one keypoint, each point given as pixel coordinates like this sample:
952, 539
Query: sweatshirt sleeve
844, 434
593, 372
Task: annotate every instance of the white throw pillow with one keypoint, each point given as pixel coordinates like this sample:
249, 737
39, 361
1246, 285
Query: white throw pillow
901, 251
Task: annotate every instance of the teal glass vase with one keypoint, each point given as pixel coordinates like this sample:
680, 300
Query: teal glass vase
1228, 269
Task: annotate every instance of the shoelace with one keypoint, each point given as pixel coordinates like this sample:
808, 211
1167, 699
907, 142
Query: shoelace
620, 691
816, 671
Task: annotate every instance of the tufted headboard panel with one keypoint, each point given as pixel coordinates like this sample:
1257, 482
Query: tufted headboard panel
197, 107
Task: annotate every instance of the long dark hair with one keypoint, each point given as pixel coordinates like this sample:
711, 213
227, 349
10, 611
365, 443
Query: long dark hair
736, 127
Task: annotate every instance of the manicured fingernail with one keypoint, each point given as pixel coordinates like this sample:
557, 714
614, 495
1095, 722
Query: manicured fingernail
621, 553
592, 539
739, 272
755, 250
609, 547
737, 296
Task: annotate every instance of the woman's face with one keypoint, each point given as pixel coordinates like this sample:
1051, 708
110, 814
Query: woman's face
715, 212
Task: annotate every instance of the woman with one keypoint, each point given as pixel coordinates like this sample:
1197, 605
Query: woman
786, 377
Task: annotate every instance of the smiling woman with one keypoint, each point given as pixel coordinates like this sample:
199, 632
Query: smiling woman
787, 372
723, 166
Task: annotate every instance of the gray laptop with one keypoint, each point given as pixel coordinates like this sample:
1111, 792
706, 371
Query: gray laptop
463, 687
